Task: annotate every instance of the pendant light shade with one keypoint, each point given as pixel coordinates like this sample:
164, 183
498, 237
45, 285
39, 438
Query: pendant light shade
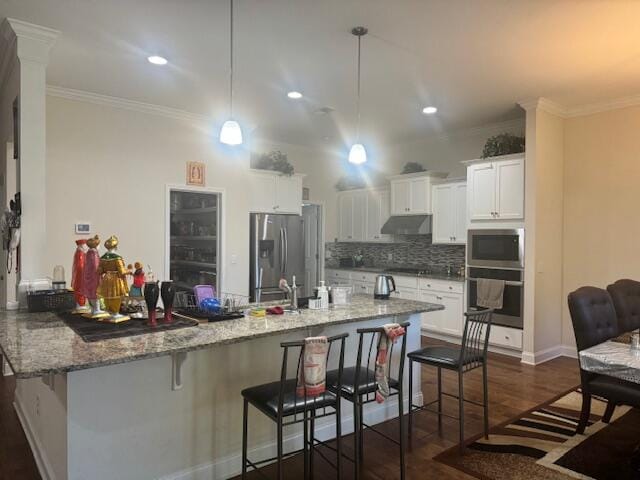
231, 133
357, 154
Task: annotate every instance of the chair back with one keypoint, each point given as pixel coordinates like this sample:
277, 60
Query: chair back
293, 356
368, 341
593, 316
625, 295
475, 338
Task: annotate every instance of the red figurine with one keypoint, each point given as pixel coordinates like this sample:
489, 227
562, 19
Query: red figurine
77, 276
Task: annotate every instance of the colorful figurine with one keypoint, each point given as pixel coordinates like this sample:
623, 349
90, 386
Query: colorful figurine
113, 280
90, 279
138, 279
77, 276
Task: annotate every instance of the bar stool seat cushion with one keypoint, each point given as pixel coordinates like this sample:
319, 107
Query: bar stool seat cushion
446, 357
265, 398
366, 381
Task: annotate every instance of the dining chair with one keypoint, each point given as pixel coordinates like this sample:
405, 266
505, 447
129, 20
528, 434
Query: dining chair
594, 321
625, 295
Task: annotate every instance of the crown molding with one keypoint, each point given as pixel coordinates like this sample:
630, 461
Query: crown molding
123, 103
545, 104
591, 108
33, 41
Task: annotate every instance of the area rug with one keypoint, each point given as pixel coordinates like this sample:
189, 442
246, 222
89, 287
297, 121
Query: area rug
542, 444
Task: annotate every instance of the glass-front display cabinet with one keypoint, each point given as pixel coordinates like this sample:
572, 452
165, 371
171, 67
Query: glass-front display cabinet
194, 238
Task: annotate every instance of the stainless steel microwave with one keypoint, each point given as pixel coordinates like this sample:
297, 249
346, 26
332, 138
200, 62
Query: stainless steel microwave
496, 248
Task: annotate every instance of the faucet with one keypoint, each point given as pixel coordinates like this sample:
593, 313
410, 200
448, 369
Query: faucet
291, 292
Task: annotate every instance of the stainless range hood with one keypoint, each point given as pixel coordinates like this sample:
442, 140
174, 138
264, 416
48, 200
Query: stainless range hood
407, 225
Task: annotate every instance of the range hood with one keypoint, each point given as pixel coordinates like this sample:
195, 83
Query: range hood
407, 225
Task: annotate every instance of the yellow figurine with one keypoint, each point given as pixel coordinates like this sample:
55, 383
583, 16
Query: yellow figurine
113, 280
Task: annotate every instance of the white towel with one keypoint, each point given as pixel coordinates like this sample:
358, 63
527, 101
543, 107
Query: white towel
490, 293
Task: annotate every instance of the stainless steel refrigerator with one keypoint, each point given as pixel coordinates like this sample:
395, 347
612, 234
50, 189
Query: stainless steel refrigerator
277, 251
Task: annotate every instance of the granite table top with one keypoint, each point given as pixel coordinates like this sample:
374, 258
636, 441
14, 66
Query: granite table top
613, 358
35, 344
391, 271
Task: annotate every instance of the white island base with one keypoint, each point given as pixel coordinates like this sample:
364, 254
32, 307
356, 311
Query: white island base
125, 421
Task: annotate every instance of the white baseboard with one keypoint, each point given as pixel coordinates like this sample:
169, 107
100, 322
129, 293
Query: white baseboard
230, 466
39, 455
569, 351
545, 355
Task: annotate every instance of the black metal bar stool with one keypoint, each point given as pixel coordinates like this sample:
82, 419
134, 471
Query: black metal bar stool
280, 402
470, 355
359, 387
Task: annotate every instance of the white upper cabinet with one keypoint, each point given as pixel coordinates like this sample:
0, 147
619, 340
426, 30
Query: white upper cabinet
450, 213
352, 212
496, 189
378, 207
411, 193
271, 192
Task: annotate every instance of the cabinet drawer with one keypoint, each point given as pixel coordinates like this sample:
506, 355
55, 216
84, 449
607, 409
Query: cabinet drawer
441, 285
338, 276
405, 293
405, 282
505, 337
367, 277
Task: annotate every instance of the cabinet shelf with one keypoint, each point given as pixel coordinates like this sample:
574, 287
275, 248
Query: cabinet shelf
197, 238
194, 211
193, 263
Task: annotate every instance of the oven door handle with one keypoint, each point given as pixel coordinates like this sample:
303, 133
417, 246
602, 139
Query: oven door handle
507, 283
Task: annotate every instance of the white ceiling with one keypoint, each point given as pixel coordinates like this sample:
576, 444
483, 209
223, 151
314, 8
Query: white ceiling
472, 59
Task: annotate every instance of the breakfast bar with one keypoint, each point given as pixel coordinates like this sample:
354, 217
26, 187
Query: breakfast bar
167, 404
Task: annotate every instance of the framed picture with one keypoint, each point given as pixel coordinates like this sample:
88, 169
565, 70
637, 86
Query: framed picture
195, 173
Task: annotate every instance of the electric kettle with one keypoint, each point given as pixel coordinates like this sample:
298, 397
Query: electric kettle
385, 284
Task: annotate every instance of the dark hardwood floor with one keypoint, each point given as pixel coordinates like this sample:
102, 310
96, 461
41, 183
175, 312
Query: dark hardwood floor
513, 389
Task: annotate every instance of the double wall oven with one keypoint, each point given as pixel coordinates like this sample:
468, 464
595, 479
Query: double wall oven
498, 254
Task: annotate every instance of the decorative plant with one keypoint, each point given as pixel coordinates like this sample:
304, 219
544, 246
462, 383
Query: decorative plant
503, 144
275, 161
413, 167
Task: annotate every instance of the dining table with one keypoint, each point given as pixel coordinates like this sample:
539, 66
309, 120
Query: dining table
620, 359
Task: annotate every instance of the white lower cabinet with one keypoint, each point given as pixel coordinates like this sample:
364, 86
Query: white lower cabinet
505, 337
449, 321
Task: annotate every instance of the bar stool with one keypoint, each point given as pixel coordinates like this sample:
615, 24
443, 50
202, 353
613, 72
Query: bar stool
470, 355
359, 387
280, 402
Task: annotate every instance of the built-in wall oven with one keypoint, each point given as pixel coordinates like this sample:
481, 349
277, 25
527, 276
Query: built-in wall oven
498, 254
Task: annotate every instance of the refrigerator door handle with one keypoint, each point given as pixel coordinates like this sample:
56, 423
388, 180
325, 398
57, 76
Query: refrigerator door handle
286, 251
282, 252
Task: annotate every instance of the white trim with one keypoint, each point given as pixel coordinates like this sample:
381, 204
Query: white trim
222, 227
117, 102
579, 110
569, 351
545, 104
39, 455
543, 355
230, 465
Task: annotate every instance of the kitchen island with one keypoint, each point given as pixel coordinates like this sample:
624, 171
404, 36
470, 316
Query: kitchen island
168, 404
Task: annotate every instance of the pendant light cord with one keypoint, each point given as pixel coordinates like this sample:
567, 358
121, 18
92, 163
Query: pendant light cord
358, 101
231, 62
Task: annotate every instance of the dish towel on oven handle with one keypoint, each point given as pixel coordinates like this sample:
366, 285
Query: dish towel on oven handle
490, 293
312, 376
388, 337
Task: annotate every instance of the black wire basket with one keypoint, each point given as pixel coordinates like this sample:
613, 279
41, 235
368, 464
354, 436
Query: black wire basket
50, 301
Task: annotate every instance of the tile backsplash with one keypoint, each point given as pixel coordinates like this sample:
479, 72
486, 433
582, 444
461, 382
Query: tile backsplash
409, 250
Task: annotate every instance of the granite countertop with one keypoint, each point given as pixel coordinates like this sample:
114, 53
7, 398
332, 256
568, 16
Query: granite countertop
35, 344
390, 270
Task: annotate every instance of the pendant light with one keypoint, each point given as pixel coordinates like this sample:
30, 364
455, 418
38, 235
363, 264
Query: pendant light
358, 154
230, 133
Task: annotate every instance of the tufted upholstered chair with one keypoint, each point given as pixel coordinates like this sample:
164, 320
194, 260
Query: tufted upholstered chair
594, 321
626, 300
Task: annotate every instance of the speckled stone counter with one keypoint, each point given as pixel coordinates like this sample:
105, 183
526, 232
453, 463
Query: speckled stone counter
35, 344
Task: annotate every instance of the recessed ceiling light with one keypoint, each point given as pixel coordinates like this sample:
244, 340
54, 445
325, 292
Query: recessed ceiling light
157, 60
295, 95
429, 110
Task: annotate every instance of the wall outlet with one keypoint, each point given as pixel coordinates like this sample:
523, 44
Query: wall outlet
37, 405
390, 257
234, 259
